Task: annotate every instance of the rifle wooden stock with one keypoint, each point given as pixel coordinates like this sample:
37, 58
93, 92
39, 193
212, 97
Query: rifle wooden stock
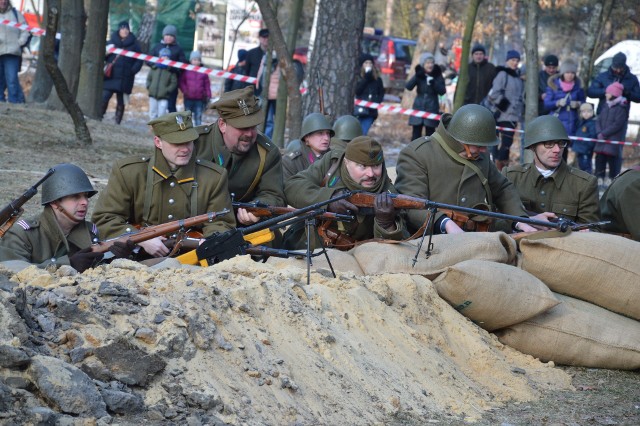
158, 230
265, 210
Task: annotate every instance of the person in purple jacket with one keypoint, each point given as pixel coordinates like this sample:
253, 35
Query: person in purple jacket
195, 88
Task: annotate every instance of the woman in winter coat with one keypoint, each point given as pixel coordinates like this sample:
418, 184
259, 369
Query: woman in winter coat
368, 88
611, 124
507, 95
430, 84
565, 95
124, 69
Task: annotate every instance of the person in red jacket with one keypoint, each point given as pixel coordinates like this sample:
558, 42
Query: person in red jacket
195, 88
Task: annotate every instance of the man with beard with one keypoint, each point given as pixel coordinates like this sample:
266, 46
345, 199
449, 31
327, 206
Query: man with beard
549, 184
169, 185
233, 142
359, 167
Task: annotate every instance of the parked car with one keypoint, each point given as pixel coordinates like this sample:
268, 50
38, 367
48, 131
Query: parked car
392, 55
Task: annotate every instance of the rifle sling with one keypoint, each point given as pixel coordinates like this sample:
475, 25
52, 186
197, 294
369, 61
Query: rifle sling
332, 169
262, 151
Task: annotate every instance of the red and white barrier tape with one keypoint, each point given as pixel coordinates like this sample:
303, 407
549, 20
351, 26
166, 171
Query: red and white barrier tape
397, 110
579, 138
39, 32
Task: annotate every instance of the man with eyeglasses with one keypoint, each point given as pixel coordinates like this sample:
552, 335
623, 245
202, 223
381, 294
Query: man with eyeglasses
549, 185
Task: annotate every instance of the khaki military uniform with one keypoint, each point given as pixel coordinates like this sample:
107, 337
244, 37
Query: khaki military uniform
307, 187
194, 189
426, 170
569, 192
250, 178
620, 204
41, 241
338, 144
298, 160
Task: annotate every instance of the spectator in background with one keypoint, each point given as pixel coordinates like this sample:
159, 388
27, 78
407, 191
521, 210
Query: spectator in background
123, 72
240, 68
169, 35
457, 54
11, 41
254, 56
429, 83
550, 68
611, 124
481, 75
586, 129
369, 88
617, 72
161, 82
195, 88
272, 90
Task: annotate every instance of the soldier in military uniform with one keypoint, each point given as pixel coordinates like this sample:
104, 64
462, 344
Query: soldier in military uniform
314, 143
359, 167
346, 128
170, 184
549, 184
253, 163
620, 204
60, 235
452, 166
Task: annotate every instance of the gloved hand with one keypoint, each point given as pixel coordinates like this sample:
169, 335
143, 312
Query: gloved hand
384, 211
429, 79
342, 207
575, 104
368, 75
420, 72
561, 102
84, 259
121, 249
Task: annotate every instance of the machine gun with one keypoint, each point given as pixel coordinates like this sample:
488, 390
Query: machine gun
260, 209
11, 213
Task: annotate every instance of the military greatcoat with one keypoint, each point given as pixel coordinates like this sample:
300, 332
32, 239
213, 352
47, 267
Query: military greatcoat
569, 192
620, 204
243, 170
41, 241
297, 160
197, 188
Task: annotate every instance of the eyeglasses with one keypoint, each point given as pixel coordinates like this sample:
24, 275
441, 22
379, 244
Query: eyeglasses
551, 144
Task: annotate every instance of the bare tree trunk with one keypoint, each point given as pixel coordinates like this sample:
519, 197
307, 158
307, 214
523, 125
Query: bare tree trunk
463, 77
531, 84
599, 16
72, 23
91, 71
42, 82
146, 29
80, 126
388, 17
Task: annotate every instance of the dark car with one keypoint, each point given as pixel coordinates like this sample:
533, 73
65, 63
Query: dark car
392, 56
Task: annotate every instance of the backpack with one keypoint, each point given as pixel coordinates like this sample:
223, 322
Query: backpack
28, 42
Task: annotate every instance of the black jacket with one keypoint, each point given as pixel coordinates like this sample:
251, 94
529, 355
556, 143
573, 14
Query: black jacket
427, 96
480, 80
369, 89
177, 54
124, 69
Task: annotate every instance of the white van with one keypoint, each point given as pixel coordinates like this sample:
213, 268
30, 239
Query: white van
631, 48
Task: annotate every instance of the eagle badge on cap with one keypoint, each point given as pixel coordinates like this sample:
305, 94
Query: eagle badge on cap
243, 106
181, 122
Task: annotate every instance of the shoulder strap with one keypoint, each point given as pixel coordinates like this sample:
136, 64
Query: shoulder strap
262, 151
332, 169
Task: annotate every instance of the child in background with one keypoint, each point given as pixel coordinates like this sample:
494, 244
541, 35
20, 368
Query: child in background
611, 124
160, 83
586, 129
195, 88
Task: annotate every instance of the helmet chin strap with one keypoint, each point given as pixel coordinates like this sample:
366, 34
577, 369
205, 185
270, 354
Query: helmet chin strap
470, 156
68, 215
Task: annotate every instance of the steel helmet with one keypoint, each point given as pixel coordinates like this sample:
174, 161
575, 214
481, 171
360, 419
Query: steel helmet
474, 125
347, 128
314, 122
544, 128
67, 179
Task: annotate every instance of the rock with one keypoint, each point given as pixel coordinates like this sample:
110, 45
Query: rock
110, 289
203, 400
12, 324
71, 312
18, 382
147, 335
202, 332
47, 323
66, 387
122, 402
128, 363
79, 354
11, 357
41, 415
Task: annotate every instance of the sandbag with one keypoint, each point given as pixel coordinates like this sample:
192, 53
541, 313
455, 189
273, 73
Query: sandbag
341, 261
378, 258
598, 268
493, 295
578, 333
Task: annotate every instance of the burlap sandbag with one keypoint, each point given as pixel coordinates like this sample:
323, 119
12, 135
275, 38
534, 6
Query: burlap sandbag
493, 295
378, 258
599, 268
340, 260
578, 333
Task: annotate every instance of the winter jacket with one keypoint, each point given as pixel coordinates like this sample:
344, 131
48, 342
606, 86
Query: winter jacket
543, 80
369, 88
428, 90
480, 80
161, 82
612, 124
177, 54
12, 38
626, 78
230, 84
124, 69
507, 93
585, 129
195, 85
567, 115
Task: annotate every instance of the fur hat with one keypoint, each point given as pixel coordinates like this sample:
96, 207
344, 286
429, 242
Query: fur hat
513, 54
615, 89
568, 66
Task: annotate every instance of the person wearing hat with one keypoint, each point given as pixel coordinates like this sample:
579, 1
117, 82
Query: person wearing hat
564, 96
196, 89
452, 166
359, 168
123, 72
315, 142
161, 82
254, 56
618, 72
369, 88
239, 68
549, 69
60, 235
620, 204
507, 94
429, 84
481, 75
168, 185
346, 128
252, 161
169, 41
549, 185
586, 129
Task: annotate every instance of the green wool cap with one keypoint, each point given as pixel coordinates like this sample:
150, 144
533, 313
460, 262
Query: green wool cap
239, 108
175, 127
364, 150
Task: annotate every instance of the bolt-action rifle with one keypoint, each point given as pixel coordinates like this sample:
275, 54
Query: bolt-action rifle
260, 209
11, 213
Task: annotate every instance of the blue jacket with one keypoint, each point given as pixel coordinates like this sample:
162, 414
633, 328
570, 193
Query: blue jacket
585, 129
629, 81
567, 115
